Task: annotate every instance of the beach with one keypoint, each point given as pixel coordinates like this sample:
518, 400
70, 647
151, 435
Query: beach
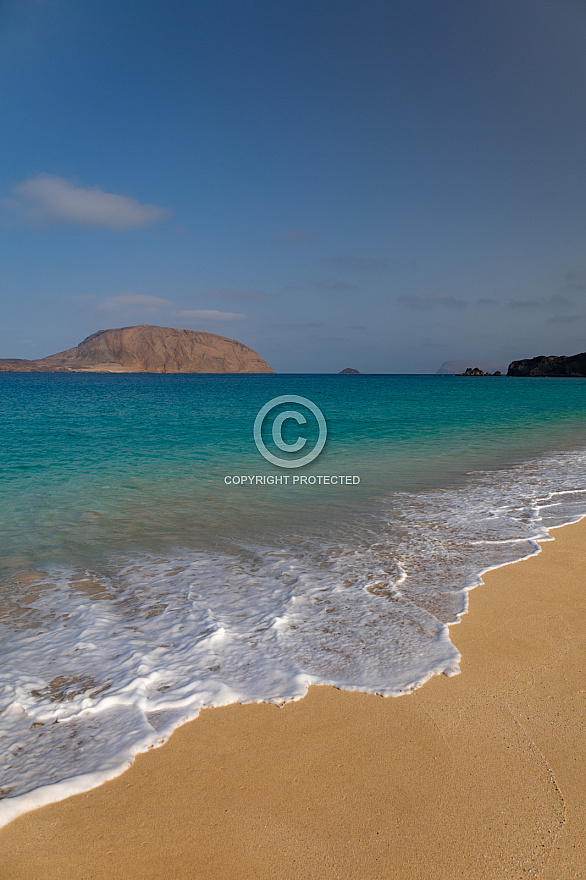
480, 775
293, 441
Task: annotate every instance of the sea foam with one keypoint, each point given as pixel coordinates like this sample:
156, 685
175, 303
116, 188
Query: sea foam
98, 665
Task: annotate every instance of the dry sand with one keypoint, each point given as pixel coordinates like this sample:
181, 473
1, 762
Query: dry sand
478, 776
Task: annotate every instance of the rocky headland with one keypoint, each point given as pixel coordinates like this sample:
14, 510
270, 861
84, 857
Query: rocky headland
147, 349
573, 366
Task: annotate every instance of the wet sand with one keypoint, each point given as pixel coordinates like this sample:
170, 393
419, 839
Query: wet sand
477, 776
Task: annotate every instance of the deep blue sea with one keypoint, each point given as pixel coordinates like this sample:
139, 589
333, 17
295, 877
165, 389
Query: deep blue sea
152, 561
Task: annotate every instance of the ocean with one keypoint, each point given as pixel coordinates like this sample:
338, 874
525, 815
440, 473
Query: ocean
153, 561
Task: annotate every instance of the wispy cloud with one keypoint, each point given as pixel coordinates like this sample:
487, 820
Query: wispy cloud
246, 295
133, 302
576, 279
208, 315
446, 301
564, 319
487, 301
297, 325
47, 200
297, 236
555, 300
137, 305
526, 303
360, 264
335, 285
559, 299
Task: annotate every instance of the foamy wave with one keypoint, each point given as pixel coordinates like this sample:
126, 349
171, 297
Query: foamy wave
99, 665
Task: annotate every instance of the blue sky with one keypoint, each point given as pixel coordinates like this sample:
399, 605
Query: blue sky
384, 185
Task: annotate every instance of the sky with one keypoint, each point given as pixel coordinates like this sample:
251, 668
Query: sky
383, 185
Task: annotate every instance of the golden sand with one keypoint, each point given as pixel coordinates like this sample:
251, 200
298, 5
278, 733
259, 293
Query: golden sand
478, 776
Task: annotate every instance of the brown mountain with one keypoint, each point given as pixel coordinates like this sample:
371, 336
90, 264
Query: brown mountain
147, 349
572, 367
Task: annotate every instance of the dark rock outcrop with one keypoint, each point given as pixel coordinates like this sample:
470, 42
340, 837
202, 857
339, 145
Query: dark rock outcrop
454, 368
147, 349
476, 371
349, 371
573, 366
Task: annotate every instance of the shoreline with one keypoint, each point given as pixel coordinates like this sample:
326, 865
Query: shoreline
416, 786
56, 792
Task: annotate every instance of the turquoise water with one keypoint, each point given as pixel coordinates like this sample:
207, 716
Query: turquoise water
90, 462
137, 586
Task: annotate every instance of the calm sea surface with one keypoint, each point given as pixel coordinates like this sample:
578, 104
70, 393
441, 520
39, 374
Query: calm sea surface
138, 584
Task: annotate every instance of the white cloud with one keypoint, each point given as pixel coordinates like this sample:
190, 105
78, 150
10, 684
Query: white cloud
131, 302
136, 304
47, 200
209, 315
